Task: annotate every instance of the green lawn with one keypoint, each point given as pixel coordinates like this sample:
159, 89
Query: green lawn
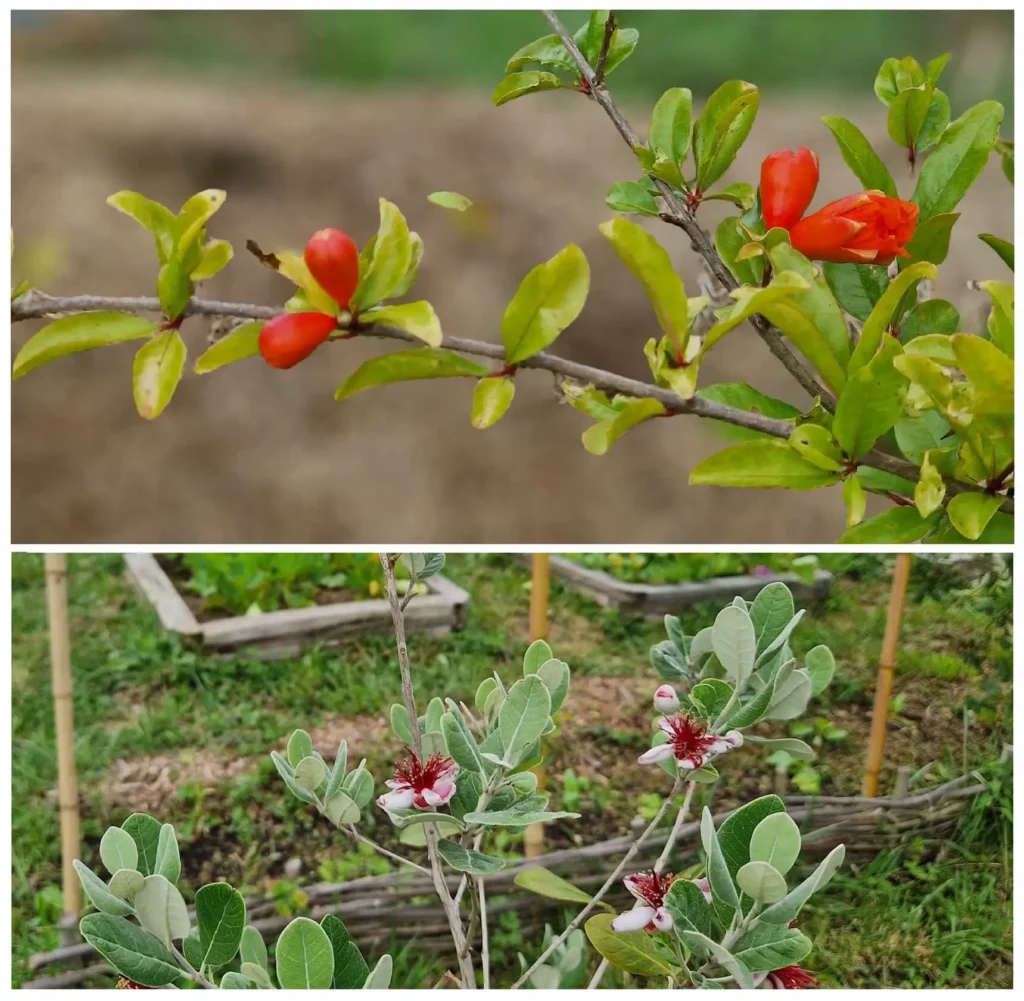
906, 920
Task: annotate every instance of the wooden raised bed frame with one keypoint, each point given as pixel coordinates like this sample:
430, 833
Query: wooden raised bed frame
659, 599
283, 633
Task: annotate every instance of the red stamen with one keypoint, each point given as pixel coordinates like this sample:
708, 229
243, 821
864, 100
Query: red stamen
422, 775
794, 978
652, 886
688, 736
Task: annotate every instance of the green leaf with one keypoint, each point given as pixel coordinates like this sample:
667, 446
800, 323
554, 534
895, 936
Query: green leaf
933, 316
168, 859
1002, 247
193, 217
214, 256
907, 113
220, 915
548, 299
547, 51
242, 342
528, 82
744, 397
467, 860
721, 129
461, 745
770, 612
816, 444
761, 882
970, 513
125, 883
305, 956
786, 910
634, 952
98, 892
491, 398
405, 366
650, 265
416, 318
740, 194
173, 289
161, 909
524, 715
860, 156
855, 500
737, 829
156, 373
599, 438
629, 196
234, 981
761, 463
555, 675
389, 262
958, 159
341, 808
538, 653
256, 974
118, 850
776, 840
81, 332
770, 947
857, 287
712, 696
300, 745
515, 817
796, 749
930, 241
689, 909
725, 899
350, 969
897, 75
545, 883
670, 124
450, 200
252, 948
310, 773
820, 665
730, 238
884, 311
146, 832
871, 402
930, 489
790, 696
379, 978
898, 524
734, 643
133, 952
1000, 320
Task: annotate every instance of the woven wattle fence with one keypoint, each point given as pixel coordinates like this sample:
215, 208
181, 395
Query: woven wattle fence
402, 905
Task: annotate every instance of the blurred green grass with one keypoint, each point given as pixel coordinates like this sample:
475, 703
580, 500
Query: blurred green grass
832, 50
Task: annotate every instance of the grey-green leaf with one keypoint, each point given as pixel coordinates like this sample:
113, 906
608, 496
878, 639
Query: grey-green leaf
131, 950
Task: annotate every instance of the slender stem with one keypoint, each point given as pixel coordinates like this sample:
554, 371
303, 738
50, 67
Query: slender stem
676, 828
609, 882
595, 980
679, 215
606, 41
485, 951
441, 887
193, 973
35, 304
356, 836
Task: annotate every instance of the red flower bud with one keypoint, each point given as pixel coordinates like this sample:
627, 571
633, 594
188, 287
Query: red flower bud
788, 182
290, 337
866, 228
333, 260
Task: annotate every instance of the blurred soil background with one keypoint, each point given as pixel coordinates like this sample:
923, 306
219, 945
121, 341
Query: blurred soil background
306, 118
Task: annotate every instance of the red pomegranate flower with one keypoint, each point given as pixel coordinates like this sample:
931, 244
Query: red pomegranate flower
423, 784
866, 228
689, 742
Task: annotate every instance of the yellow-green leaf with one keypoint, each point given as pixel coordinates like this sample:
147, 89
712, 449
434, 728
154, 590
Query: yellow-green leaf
930, 489
80, 332
528, 82
213, 256
194, 215
722, 127
984, 364
881, 316
1000, 320
970, 513
860, 156
404, 366
151, 215
545, 883
450, 200
416, 318
293, 266
855, 500
871, 402
650, 264
548, 299
761, 463
242, 342
816, 445
173, 289
156, 372
599, 438
634, 952
491, 398
898, 524
670, 124
392, 255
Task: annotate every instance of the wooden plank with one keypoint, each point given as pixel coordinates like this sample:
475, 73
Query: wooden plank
654, 599
146, 572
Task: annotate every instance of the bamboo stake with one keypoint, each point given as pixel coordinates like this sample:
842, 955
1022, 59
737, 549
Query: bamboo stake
63, 713
540, 590
886, 672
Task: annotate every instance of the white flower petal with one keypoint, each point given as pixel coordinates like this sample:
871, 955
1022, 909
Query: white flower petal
635, 920
759, 977
630, 883
660, 753
666, 700
662, 920
444, 789
704, 886
735, 738
432, 798
691, 763
400, 799
665, 726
